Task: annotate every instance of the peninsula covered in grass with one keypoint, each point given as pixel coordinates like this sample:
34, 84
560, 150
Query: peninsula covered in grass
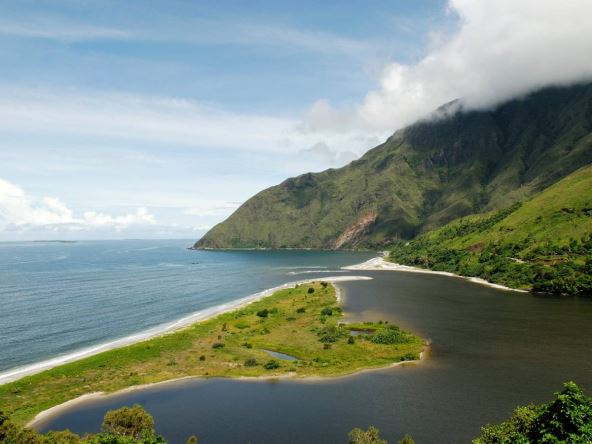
296, 332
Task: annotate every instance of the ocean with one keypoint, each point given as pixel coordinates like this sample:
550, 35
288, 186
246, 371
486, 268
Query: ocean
58, 298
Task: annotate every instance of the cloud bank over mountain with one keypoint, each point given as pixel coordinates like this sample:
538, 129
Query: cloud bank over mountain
500, 50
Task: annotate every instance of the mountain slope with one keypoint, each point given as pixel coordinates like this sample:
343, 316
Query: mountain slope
543, 244
424, 176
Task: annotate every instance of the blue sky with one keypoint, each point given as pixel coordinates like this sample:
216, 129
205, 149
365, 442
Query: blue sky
158, 118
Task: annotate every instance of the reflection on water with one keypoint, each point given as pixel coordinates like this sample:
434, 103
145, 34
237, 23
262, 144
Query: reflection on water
490, 350
279, 355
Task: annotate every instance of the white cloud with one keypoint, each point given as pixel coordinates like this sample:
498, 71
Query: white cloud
21, 212
133, 117
501, 49
59, 30
168, 122
195, 31
211, 208
322, 151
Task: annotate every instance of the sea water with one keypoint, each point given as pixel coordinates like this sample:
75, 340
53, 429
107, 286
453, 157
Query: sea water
58, 298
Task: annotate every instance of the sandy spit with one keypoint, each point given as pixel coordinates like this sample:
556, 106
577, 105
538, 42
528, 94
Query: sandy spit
380, 263
202, 315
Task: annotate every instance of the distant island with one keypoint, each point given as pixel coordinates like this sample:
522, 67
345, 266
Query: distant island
56, 241
295, 332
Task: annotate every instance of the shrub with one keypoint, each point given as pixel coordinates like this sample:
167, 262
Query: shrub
202, 358
134, 422
301, 310
330, 333
216, 345
263, 313
251, 362
310, 290
327, 311
351, 340
370, 436
565, 419
324, 284
406, 440
271, 365
389, 336
247, 345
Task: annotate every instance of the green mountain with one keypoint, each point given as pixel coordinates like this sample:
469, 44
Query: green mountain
454, 164
543, 244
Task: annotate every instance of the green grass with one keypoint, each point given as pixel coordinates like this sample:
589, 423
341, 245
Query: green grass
543, 244
320, 342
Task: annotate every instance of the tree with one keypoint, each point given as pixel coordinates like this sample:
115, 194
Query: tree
566, 419
370, 436
134, 422
62, 437
192, 440
406, 440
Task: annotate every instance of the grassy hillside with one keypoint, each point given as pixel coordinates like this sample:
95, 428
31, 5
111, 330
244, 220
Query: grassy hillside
424, 176
543, 244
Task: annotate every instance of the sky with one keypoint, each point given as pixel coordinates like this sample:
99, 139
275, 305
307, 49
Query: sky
157, 119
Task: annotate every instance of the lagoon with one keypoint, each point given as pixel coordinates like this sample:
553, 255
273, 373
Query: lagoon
490, 350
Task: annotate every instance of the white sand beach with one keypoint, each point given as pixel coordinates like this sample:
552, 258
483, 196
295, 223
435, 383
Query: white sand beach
380, 263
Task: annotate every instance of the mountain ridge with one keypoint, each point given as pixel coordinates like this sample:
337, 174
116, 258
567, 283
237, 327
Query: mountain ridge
422, 177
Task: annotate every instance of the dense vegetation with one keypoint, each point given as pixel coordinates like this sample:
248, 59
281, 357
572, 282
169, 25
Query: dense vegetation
304, 322
424, 176
544, 244
127, 425
565, 420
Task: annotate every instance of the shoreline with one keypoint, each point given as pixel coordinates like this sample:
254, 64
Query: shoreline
380, 264
161, 330
95, 396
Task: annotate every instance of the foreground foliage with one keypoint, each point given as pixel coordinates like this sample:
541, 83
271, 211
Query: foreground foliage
372, 436
565, 420
543, 245
302, 322
127, 425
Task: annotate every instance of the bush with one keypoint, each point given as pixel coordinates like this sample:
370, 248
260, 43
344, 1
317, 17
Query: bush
311, 290
330, 333
216, 345
327, 311
202, 358
251, 362
263, 313
301, 310
271, 365
370, 436
134, 422
568, 418
351, 340
389, 336
247, 345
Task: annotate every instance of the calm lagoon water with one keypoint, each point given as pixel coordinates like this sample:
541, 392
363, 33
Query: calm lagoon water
491, 350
